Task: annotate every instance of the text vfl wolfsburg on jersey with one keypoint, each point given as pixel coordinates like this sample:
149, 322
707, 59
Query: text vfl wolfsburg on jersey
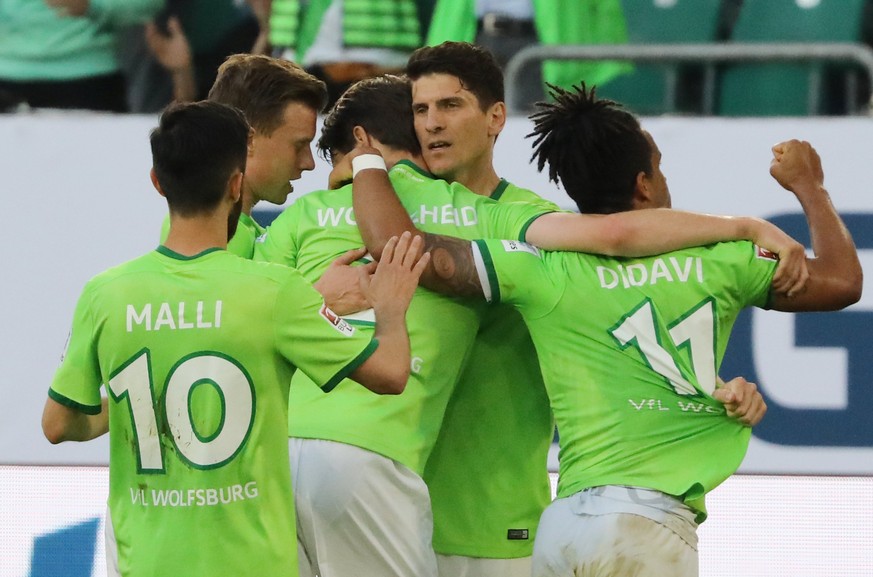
193, 497
182, 316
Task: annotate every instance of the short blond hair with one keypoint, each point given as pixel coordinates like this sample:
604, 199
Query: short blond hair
262, 87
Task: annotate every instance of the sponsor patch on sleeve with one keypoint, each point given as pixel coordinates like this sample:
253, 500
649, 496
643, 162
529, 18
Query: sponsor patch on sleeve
518, 246
765, 254
336, 321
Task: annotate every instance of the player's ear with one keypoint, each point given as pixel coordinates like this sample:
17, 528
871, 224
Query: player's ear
361, 136
234, 185
496, 118
250, 148
642, 192
155, 182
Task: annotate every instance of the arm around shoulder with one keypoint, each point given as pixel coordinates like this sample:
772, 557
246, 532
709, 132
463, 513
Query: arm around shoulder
646, 232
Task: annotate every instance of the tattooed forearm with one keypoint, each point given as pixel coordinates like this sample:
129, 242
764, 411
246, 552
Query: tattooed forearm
452, 270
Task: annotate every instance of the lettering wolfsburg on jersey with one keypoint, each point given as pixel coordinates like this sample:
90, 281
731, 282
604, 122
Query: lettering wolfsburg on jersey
425, 215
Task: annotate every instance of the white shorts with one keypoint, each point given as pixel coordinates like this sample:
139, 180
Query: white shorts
588, 534
359, 513
460, 566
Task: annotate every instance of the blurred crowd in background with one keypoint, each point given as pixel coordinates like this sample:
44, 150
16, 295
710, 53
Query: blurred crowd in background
139, 55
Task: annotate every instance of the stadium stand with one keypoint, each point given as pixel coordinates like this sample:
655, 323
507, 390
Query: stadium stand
794, 89
736, 58
656, 88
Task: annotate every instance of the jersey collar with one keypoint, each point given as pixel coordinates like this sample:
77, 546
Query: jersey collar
408, 163
500, 189
175, 255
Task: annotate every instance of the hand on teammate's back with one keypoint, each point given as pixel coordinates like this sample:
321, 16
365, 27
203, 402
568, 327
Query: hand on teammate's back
341, 284
391, 287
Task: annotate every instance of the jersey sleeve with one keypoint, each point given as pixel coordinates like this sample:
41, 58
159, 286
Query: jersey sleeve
278, 243
505, 220
516, 273
243, 241
314, 338
76, 383
514, 194
759, 270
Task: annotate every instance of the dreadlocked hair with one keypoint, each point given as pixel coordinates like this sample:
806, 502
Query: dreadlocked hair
594, 148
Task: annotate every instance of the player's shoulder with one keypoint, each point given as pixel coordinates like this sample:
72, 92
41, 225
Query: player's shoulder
303, 202
253, 277
406, 170
509, 192
262, 269
141, 263
737, 250
309, 206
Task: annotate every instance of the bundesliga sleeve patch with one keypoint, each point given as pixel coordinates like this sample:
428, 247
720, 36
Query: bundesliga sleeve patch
765, 254
518, 246
336, 321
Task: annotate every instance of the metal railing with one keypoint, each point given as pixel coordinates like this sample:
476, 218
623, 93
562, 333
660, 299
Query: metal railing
707, 55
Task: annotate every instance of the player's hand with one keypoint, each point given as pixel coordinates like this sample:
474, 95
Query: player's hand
791, 273
742, 401
391, 287
172, 51
341, 285
796, 166
341, 174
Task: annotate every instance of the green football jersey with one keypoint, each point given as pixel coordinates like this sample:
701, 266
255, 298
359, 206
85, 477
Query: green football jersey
318, 228
243, 241
196, 354
487, 475
630, 351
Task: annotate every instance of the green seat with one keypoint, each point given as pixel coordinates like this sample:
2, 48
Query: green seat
650, 88
788, 89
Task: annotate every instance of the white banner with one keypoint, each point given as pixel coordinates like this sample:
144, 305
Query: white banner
80, 201
757, 525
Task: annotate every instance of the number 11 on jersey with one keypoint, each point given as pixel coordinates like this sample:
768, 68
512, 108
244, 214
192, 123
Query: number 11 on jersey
694, 330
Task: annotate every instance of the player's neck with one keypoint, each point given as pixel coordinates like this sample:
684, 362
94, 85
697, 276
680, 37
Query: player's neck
193, 235
393, 157
481, 182
248, 200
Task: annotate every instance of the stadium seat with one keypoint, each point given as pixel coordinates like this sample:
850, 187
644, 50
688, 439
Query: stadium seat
648, 89
783, 89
